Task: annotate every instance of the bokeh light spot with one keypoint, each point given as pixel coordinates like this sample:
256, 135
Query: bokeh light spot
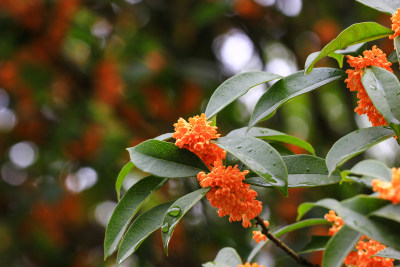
83, 179
7, 119
12, 175
23, 154
103, 212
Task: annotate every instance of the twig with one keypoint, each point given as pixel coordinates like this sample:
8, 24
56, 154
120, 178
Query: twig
302, 261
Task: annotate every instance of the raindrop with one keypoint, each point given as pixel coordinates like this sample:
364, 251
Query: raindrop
238, 147
270, 151
307, 169
274, 164
165, 228
372, 87
249, 150
175, 211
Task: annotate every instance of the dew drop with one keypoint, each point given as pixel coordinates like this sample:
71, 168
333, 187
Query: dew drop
174, 211
249, 150
239, 147
274, 164
165, 228
372, 87
307, 169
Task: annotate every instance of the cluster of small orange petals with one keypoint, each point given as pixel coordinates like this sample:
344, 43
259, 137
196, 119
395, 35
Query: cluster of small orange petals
389, 190
362, 257
195, 136
336, 220
395, 24
250, 265
374, 57
258, 236
229, 194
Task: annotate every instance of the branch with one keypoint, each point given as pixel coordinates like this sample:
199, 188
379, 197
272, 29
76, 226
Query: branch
300, 260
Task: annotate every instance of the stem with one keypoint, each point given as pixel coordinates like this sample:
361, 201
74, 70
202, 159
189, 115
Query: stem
300, 260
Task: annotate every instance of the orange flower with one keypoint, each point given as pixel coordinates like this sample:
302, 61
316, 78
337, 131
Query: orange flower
196, 135
336, 220
395, 24
366, 249
229, 194
250, 265
389, 190
258, 235
374, 57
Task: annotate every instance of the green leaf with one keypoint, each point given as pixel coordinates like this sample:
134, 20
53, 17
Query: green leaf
176, 211
235, 87
355, 34
317, 243
285, 230
269, 134
140, 229
339, 55
303, 171
383, 89
126, 209
165, 159
355, 143
388, 253
391, 212
260, 157
339, 246
163, 137
226, 257
368, 170
121, 177
393, 57
385, 6
290, 87
396, 43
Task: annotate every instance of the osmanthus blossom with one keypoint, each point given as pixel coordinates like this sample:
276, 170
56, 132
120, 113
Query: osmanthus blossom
258, 236
195, 136
250, 265
395, 24
365, 247
374, 57
389, 190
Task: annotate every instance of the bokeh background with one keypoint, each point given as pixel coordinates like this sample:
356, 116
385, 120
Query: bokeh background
81, 80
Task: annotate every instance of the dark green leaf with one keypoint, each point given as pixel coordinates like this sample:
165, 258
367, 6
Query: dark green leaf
235, 87
140, 229
122, 175
176, 211
285, 230
269, 134
317, 243
165, 159
389, 253
383, 88
391, 212
339, 55
260, 157
339, 246
290, 87
385, 6
368, 170
393, 57
226, 257
355, 34
126, 209
355, 143
303, 171
397, 48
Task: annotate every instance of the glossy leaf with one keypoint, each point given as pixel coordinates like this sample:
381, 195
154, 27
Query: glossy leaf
389, 253
165, 159
285, 230
367, 170
397, 48
272, 135
317, 243
260, 157
290, 87
391, 212
339, 55
176, 211
140, 229
339, 246
385, 6
163, 137
226, 257
355, 143
235, 87
383, 89
303, 171
355, 34
126, 209
121, 177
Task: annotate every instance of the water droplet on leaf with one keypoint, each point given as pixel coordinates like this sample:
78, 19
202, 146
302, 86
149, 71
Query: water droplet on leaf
174, 211
165, 228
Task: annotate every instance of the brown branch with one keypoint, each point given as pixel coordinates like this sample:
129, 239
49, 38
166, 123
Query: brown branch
300, 260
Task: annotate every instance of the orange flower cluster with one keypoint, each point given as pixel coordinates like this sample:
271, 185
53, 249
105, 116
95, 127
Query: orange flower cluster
195, 136
250, 265
336, 220
395, 24
258, 236
365, 248
389, 190
374, 57
229, 194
